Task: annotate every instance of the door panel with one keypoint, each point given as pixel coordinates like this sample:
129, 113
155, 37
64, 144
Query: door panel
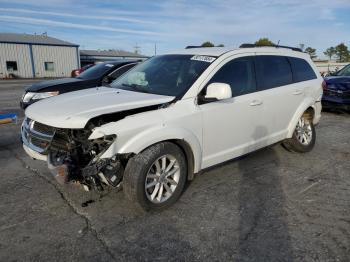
280, 95
230, 128
233, 126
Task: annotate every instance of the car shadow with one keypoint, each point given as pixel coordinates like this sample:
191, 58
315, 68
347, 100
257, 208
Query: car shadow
263, 230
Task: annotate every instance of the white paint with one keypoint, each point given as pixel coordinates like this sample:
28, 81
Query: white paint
219, 91
216, 131
75, 109
33, 154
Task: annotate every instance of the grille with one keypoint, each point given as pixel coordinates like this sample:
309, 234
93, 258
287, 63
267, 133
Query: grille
39, 142
44, 129
37, 136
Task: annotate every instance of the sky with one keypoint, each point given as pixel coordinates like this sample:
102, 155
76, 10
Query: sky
174, 24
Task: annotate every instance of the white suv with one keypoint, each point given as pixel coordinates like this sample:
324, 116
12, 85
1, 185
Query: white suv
175, 115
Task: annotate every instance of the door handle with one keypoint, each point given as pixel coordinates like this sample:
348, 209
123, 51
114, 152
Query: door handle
256, 103
297, 92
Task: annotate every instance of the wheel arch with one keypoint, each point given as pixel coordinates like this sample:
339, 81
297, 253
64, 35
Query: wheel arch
183, 138
308, 107
187, 150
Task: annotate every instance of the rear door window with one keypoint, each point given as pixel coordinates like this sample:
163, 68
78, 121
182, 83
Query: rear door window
239, 74
272, 71
302, 71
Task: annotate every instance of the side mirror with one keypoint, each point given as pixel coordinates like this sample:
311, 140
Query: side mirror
108, 79
218, 91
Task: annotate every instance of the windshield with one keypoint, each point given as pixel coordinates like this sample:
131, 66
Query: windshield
344, 71
170, 75
96, 71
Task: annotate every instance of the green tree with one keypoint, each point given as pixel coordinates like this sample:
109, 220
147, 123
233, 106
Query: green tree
207, 44
311, 51
221, 45
342, 52
264, 42
330, 52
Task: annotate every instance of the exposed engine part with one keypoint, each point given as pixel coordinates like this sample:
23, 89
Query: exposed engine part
59, 167
75, 158
72, 157
94, 168
113, 173
103, 178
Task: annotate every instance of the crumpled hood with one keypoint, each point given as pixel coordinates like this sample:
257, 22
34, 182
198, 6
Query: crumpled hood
75, 109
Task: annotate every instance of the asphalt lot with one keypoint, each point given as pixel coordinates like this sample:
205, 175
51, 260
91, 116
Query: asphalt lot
271, 205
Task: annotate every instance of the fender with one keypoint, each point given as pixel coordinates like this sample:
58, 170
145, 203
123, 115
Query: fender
151, 136
308, 102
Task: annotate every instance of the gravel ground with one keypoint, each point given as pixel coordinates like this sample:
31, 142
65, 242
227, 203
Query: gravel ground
270, 205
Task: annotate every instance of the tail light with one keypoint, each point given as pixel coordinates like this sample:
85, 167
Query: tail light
324, 85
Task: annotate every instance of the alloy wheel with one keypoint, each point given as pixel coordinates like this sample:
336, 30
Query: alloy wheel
162, 179
303, 131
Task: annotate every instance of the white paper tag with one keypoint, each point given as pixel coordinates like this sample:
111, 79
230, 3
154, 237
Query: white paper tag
203, 58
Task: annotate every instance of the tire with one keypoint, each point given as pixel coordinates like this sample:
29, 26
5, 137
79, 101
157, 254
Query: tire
301, 142
143, 171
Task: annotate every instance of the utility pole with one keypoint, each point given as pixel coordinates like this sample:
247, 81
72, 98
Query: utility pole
137, 49
155, 48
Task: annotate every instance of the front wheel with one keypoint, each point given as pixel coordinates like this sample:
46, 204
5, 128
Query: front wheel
155, 178
304, 136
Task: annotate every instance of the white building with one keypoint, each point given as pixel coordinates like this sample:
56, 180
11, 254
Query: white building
28, 56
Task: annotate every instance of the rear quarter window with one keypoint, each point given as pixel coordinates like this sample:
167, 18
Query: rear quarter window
272, 71
302, 71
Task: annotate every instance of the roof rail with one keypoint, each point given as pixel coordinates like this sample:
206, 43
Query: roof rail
277, 46
193, 46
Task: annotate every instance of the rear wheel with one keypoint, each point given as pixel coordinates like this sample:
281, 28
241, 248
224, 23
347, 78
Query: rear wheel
304, 136
155, 178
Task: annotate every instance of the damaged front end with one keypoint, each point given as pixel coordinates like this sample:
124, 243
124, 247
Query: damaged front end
72, 157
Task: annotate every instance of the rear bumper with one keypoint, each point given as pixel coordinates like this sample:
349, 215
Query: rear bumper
334, 105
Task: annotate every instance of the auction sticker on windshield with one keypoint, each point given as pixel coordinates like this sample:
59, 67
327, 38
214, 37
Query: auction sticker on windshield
203, 58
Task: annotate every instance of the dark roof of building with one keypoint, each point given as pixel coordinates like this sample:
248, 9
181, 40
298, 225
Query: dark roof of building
32, 39
110, 53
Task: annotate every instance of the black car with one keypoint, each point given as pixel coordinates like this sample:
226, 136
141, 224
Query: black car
336, 93
97, 75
